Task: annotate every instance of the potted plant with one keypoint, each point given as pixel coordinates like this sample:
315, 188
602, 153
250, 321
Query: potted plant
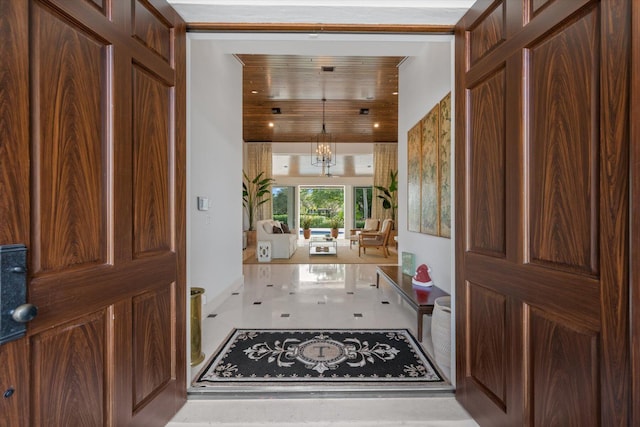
389, 194
305, 223
335, 223
255, 192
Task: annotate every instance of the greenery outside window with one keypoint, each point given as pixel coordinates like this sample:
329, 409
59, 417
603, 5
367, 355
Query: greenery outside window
362, 202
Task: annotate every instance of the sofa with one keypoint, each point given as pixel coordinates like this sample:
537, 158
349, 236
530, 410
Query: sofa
283, 245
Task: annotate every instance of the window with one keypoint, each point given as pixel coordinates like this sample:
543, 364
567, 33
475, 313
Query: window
362, 198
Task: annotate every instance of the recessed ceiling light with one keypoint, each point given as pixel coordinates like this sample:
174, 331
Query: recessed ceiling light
394, 93
254, 92
376, 125
271, 124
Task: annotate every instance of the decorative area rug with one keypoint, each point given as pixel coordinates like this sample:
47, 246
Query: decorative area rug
285, 357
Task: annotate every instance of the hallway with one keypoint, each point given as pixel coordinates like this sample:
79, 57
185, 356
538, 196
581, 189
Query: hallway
331, 296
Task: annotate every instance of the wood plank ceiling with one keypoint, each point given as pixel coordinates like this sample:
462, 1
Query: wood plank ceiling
287, 91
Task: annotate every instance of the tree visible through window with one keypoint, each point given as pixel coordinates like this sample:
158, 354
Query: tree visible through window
362, 198
322, 204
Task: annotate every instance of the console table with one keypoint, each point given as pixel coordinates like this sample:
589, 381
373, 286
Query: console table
421, 299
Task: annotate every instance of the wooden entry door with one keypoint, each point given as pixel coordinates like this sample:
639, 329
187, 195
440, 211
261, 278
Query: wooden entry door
542, 203
92, 178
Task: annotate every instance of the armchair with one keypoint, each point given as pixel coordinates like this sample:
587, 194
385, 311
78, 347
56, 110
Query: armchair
378, 239
370, 225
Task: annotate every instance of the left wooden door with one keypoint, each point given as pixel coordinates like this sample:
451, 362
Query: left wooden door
92, 181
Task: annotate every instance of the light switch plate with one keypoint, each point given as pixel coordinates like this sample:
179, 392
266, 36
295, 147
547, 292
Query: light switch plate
203, 203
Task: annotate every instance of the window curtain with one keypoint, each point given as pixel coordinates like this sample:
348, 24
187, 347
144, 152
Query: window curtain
259, 159
385, 159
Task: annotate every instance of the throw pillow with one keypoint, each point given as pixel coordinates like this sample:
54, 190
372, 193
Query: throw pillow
277, 230
285, 228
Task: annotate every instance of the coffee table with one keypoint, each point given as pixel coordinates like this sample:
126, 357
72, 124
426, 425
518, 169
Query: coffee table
319, 245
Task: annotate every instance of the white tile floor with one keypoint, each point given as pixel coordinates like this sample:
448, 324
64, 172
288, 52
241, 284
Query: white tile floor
336, 296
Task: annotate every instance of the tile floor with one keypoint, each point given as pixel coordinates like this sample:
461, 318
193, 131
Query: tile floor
332, 296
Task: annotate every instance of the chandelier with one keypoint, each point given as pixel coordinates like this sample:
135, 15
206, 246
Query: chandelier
323, 151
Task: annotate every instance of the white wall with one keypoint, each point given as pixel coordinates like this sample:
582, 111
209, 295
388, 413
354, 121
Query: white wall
423, 81
214, 141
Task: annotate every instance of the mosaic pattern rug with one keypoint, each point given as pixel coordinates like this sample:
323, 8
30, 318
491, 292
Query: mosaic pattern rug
275, 356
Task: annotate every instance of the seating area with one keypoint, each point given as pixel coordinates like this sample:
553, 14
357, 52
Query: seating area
379, 239
283, 242
371, 225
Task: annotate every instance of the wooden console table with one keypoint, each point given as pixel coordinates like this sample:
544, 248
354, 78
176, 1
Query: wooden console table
420, 298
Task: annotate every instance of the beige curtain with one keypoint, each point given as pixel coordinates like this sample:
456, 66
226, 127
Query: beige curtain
259, 159
385, 159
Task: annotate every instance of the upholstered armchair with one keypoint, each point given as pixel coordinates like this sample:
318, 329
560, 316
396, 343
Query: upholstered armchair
371, 225
378, 239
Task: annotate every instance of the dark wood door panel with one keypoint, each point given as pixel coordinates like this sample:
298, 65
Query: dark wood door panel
70, 366
152, 337
67, 161
487, 33
563, 372
552, 288
486, 158
69, 79
80, 292
563, 94
14, 384
151, 167
487, 336
152, 29
562, 283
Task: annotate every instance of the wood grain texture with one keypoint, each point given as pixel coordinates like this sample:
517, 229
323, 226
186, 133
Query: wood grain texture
150, 28
14, 129
563, 93
67, 68
151, 174
152, 339
179, 184
537, 5
568, 74
487, 336
14, 375
615, 146
99, 4
486, 34
69, 80
69, 373
634, 267
563, 373
297, 85
486, 151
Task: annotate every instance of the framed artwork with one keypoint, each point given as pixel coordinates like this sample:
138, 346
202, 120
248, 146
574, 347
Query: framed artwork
429, 172
444, 166
429, 194
413, 177
408, 263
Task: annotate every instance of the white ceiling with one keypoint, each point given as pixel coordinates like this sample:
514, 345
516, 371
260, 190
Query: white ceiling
385, 12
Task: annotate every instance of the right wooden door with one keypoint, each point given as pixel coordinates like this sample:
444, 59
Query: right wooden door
542, 200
